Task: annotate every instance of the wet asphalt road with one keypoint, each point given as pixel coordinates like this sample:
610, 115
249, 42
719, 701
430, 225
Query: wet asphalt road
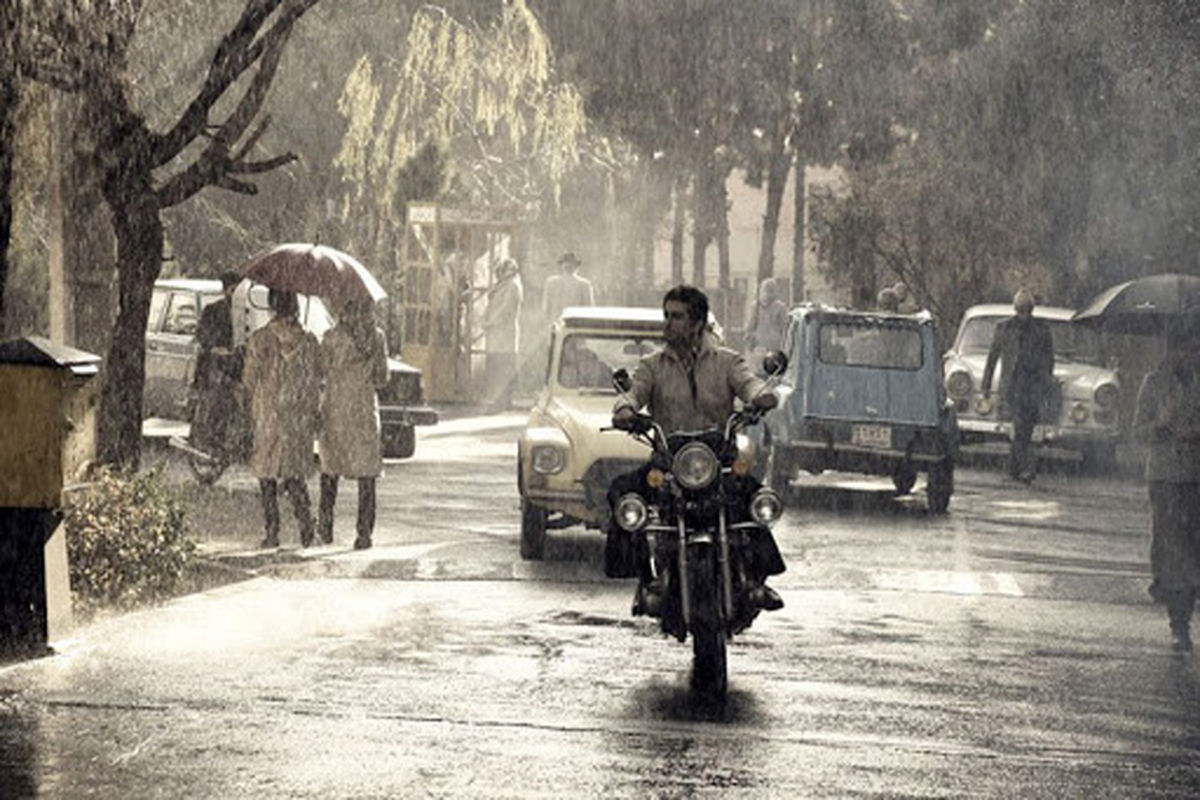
1007, 649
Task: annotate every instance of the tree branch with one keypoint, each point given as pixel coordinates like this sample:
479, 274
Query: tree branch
236, 53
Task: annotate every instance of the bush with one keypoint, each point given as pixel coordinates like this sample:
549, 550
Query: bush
127, 542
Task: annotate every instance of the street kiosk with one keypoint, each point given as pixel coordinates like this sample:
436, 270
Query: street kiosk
47, 414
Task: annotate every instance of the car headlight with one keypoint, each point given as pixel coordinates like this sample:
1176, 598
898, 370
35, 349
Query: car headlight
548, 460
631, 512
766, 507
695, 466
958, 383
1106, 395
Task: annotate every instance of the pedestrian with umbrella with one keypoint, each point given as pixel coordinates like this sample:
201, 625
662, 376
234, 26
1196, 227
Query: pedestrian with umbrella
282, 380
354, 365
1167, 420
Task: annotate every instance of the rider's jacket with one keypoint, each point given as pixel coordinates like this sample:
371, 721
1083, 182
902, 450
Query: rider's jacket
683, 396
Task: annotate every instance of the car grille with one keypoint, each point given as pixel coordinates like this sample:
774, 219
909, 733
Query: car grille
601, 473
402, 387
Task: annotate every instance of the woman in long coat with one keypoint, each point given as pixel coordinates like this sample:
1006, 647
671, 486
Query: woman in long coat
1167, 419
354, 363
283, 382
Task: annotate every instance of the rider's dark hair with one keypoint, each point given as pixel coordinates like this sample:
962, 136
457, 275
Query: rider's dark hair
695, 299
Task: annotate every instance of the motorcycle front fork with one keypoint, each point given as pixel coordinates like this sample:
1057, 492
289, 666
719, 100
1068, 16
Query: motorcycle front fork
723, 563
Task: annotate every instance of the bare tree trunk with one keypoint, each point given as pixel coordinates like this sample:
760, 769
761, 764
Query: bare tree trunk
9, 95
799, 237
777, 172
677, 222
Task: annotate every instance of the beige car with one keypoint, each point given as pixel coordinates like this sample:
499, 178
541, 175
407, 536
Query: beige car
567, 455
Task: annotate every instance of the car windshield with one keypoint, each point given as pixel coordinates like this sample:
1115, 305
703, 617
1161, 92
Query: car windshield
870, 345
1072, 342
588, 360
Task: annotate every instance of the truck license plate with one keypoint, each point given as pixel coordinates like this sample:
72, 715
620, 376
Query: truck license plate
871, 435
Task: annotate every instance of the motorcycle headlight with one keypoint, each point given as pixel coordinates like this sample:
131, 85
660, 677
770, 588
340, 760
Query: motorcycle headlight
766, 507
548, 460
631, 512
695, 466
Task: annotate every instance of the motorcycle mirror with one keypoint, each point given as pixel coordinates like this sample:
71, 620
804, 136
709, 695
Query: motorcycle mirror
621, 380
774, 363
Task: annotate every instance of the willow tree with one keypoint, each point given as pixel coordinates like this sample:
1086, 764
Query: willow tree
83, 47
485, 96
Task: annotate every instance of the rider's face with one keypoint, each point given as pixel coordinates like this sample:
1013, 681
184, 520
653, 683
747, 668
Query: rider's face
679, 329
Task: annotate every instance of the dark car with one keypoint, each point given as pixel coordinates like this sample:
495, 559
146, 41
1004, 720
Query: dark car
171, 355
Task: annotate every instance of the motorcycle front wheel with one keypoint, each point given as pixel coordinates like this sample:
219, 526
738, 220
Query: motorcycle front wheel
710, 675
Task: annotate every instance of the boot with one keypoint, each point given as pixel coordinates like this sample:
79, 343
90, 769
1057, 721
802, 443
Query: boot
365, 524
268, 491
302, 508
329, 487
648, 597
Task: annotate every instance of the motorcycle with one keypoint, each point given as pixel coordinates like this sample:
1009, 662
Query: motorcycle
703, 510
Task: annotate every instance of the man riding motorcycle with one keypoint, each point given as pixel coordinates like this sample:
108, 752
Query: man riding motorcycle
689, 385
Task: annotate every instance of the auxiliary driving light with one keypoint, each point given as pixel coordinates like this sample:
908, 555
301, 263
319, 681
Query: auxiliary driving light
984, 405
766, 507
631, 512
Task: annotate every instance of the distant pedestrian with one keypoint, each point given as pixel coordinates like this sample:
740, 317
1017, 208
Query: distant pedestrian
768, 322
566, 289
215, 393
1023, 346
283, 381
905, 304
502, 331
887, 300
354, 366
1167, 420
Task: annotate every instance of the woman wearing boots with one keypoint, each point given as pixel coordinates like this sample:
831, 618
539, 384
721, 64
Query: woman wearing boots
354, 363
1167, 419
282, 383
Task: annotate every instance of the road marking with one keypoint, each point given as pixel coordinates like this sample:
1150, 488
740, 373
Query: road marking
950, 582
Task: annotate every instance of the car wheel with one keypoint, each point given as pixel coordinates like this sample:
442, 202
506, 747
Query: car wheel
904, 479
206, 470
399, 441
940, 486
533, 531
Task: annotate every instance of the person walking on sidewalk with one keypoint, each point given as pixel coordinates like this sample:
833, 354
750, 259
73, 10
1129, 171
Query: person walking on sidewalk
1167, 419
1025, 350
502, 330
566, 289
354, 365
282, 379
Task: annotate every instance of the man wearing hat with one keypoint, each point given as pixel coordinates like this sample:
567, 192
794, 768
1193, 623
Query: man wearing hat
1025, 350
567, 289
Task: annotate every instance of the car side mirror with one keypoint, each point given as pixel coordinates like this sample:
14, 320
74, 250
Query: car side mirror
621, 380
774, 363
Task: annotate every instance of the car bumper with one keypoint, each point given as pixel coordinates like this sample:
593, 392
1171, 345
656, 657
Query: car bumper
829, 445
1067, 435
390, 416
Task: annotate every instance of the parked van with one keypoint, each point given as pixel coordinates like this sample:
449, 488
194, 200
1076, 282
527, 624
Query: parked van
863, 392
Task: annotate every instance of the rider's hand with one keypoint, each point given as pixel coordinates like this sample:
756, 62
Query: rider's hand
765, 401
623, 417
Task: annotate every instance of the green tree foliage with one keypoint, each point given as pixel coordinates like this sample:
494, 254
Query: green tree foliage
1037, 146
484, 94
